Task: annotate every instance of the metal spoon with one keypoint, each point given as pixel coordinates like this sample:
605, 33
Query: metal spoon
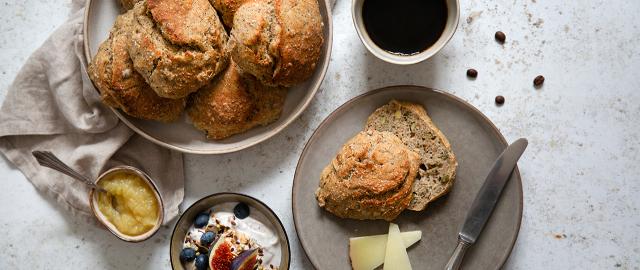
49, 160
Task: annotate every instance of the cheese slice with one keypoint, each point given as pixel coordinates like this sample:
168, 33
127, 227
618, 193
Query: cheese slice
395, 256
367, 252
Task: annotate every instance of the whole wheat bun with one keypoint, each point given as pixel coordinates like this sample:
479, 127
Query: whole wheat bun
177, 45
370, 178
278, 41
121, 86
233, 103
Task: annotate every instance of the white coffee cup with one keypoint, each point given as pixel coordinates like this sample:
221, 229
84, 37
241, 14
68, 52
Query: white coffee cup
453, 16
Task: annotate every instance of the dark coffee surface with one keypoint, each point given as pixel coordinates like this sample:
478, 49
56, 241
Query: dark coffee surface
404, 26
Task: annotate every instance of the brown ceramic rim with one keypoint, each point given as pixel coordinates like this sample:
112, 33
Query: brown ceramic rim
286, 237
344, 106
323, 65
148, 181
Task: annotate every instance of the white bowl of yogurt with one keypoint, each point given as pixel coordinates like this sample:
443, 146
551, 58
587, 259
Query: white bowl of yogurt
229, 231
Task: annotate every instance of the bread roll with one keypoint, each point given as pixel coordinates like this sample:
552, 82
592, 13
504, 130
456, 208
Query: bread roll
370, 178
177, 45
234, 103
278, 41
121, 86
413, 126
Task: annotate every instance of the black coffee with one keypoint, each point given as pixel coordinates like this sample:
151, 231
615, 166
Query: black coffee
404, 26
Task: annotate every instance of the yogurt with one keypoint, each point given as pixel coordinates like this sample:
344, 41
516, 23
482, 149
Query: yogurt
251, 232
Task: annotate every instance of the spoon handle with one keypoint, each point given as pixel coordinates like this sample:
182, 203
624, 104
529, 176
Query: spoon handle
47, 159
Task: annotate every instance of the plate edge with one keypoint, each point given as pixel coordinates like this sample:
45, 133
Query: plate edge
286, 236
331, 115
267, 136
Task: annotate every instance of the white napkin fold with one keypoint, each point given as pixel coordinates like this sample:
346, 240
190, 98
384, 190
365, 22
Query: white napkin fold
53, 106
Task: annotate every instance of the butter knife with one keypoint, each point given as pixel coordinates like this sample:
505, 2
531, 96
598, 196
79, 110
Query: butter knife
486, 200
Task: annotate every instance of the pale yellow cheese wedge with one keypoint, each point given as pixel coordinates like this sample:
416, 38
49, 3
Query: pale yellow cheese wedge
367, 252
395, 256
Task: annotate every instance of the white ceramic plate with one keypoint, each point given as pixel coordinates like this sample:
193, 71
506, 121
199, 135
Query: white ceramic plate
181, 135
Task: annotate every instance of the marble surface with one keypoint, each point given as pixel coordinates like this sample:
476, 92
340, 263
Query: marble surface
580, 173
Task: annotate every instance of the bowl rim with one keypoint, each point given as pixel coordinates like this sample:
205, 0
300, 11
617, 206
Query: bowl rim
402, 59
273, 213
110, 226
345, 105
323, 65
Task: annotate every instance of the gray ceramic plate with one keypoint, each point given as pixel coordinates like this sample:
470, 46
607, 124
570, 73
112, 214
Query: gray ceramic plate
476, 143
182, 136
267, 216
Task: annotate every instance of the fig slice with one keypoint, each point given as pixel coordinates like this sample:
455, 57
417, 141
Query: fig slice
221, 256
246, 260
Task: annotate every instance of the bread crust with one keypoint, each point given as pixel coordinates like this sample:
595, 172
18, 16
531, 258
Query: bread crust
255, 39
233, 103
177, 46
370, 178
278, 41
121, 86
301, 40
227, 8
128, 4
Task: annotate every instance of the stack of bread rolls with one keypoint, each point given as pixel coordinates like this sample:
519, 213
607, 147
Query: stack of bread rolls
227, 62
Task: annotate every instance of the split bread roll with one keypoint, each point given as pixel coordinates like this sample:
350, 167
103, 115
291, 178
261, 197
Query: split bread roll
370, 178
177, 45
277, 41
413, 126
121, 86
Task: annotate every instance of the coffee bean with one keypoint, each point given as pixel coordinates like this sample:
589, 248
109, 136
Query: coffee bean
538, 81
472, 73
500, 36
499, 100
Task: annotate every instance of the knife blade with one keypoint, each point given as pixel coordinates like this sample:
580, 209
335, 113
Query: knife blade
486, 200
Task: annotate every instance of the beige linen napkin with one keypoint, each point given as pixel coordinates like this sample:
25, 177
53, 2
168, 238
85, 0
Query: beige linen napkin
53, 106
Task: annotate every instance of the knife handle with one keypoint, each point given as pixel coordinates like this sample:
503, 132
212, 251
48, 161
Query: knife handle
456, 258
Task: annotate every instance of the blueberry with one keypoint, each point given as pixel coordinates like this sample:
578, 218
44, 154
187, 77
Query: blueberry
187, 254
207, 238
202, 220
241, 210
202, 262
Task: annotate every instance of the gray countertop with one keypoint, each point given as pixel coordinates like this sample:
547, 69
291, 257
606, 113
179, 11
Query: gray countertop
580, 173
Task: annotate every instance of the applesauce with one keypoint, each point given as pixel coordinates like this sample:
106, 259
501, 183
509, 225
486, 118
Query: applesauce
130, 204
